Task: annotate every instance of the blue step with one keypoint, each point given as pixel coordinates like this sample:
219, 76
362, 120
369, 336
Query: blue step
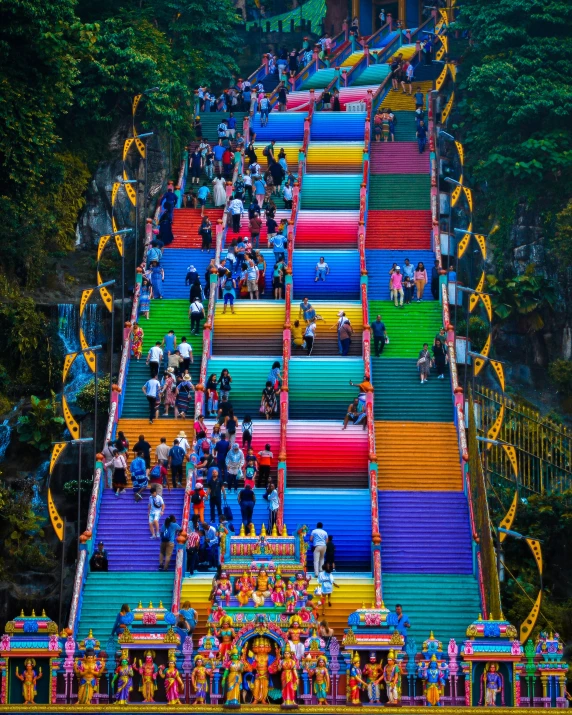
379, 262
336, 126
342, 283
282, 126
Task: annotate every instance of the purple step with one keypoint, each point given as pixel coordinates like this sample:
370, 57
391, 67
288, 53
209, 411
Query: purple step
425, 532
123, 526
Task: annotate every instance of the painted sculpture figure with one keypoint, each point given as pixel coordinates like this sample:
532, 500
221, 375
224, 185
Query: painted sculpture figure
232, 680
124, 677
493, 684
148, 671
392, 677
321, 676
301, 586
288, 677
434, 683
173, 683
200, 680
223, 589
88, 672
258, 663
29, 679
290, 598
295, 633
373, 676
225, 633
355, 682
263, 588
244, 588
277, 594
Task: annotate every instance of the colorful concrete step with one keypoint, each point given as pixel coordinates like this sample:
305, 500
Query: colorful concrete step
408, 327
105, 593
398, 101
319, 79
442, 604
342, 282
134, 550
326, 229
249, 375
380, 262
372, 75
408, 519
326, 338
211, 120
282, 126
398, 230
330, 157
186, 223
331, 191
256, 323
333, 126
400, 396
398, 158
437, 466
399, 191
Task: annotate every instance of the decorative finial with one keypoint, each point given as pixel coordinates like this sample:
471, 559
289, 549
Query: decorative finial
480, 618
43, 613
140, 604
242, 532
284, 530
431, 636
90, 634
263, 530
150, 604
22, 614
252, 530
491, 616
274, 530
33, 613
160, 604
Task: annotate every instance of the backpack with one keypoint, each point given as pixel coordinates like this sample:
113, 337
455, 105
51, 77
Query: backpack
265, 151
165, 534
205, 445
196, 498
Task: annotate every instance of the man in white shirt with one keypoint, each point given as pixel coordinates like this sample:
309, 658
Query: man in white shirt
319, 538
273, 506
196, 314
155, 511
151, 391
252, 274
186, 351
236, 208
162, 451
154, 357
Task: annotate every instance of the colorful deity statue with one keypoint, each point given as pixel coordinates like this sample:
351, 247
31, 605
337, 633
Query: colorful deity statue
373, 676
289, 677
263, 588
244, 588
232, 679
209, 642
225, 634
148, 672
493, 684
200, 680
223, 588
173, 682
321, 676
355, 682
124, 677
392, 677
301, 586
258, 662
272, 576
295, 634
290, 598
434, 682
277, 594
29, 679
88, 672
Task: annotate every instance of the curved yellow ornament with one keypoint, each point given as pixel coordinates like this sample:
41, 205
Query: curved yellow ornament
55, 518
441, 78
482, 245
488, 306
102, 244
89, 355
530, 621
460, 152
85, 296
474, 299
494, 431
536, 552
498, 368
140, 147
114, 191
479, 362
105, 294
469, 195
131, 193
456, 192
68, 362
71, 423
511, 454
508, 519
463, 243
56, 452
445, 113
136, 100
126, 146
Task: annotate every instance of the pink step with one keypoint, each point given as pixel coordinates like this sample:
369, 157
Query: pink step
398, 158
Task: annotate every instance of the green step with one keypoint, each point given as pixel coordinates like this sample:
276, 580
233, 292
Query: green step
135, 404
327, 191
400, 396
319, 79
249, 376
105, 593
408, 327
211, 120
398, 192
442, 603
374, 74
320, 389
405, 128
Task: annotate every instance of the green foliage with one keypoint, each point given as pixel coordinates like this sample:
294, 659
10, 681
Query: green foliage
516, 89
528, 298
21, 533
41, 425
478, 331
562, 240
85, 398
560, 372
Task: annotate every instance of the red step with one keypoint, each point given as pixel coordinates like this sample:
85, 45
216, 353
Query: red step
399, 230
186, 224
398, 158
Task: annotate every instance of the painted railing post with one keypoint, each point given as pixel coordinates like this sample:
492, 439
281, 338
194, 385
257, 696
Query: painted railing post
366, 53
265, 63
180, 557
345, 29
345, 76
390, 21
246, 128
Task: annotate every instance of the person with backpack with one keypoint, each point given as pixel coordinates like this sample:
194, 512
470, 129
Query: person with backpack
222, 129
196, 314
168, 534
158, 475
138, 476
176, 459
155, 511
198, 497
221, 450
234, 464
216, 492
193, 544
119, 467
251, 471
264, 106
211, 540
247, 502
247, 431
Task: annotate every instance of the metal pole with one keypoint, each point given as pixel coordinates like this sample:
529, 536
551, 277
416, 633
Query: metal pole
62, 567
123, 288
467, 296
136, 229
95, 413
145, 181
79, 492
112, 331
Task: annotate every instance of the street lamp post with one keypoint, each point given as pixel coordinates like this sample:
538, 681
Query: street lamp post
95, 350
135, 181
468, 291
118, 233
145, 136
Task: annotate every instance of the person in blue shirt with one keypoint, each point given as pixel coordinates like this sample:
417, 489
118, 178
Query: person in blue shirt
176, 459
379, 335
231, 126
421, 136
403, 622
168, 534
169, 345
139, 475
169, 201
202, 195
218, 151
277, 243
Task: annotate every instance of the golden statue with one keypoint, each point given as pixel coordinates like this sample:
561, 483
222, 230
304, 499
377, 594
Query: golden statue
295, 633
321, 676
200, 680
88, 672
148, 671
29, 679
244, 588
262, 588
261, 647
